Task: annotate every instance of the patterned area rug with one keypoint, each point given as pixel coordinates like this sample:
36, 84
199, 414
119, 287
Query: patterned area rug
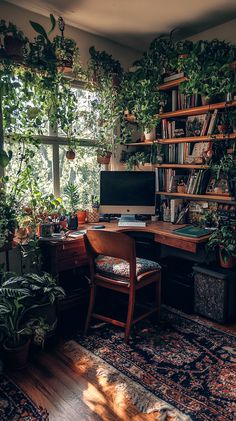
180, 363
15, 405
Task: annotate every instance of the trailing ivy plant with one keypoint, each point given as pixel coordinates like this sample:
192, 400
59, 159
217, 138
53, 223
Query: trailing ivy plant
207, 68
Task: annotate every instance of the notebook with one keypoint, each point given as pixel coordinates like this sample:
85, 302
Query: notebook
191, 231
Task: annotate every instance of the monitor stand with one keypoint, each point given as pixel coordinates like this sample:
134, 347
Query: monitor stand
130, 221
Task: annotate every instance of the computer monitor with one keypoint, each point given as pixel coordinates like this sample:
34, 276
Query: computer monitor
127, 192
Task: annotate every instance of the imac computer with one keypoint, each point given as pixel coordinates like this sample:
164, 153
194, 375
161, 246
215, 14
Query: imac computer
128, 193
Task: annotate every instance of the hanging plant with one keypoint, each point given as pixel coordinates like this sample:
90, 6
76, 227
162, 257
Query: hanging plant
102, 66
14, 41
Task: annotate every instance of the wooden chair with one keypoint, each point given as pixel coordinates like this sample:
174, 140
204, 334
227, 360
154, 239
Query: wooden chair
113, 265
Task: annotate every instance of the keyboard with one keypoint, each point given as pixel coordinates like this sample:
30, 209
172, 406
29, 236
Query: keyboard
132, 224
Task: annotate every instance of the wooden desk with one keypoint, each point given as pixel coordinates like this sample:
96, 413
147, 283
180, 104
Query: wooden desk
163, 234
70, 253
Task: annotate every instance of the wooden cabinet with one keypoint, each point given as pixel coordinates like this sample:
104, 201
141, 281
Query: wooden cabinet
61, 256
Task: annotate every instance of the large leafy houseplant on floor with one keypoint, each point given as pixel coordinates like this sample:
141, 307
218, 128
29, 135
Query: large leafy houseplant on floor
22, 313
223, 240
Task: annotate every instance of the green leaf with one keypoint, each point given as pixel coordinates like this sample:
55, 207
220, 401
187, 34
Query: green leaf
53, 23
5, 158
39, 29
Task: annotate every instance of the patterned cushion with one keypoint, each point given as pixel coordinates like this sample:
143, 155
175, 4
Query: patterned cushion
119, 267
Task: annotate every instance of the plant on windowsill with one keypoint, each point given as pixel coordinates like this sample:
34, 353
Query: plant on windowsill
223, 240
14, 41
67, 54
207, 69
77, 215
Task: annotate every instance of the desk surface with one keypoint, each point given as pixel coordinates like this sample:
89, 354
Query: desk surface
163, 234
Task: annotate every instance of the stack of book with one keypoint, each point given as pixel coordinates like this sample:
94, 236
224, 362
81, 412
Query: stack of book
177, 153
187, 101
167, 180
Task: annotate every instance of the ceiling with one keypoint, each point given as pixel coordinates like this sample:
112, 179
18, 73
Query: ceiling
135, 23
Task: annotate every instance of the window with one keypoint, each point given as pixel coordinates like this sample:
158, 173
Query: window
50, 167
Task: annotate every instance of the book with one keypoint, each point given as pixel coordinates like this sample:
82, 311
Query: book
194, 125
192, 231
212, 123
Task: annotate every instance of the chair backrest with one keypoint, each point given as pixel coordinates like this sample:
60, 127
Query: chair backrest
114, 244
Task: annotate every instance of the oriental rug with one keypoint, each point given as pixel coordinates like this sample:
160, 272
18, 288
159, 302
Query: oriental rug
15, 405
180, 367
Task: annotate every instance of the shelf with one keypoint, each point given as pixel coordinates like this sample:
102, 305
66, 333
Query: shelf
195, 139
215, 198
140, 143
203, 109
191, 166
172, 84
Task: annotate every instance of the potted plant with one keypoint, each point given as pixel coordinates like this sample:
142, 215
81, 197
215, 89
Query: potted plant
16, 327
42, 52
208, 71
101, 65
43, 290
14, 41
72, 201
223, 240
67, 53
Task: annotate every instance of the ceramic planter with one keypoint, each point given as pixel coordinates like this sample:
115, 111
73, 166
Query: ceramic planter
93, 215
82, 215
229, 263
16, 358
149, 135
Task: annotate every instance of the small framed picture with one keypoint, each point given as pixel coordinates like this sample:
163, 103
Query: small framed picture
220, 186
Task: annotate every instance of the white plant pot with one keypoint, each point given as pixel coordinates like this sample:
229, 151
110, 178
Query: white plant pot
150, 135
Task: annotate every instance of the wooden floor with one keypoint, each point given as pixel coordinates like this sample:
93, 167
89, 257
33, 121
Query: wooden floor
69, 393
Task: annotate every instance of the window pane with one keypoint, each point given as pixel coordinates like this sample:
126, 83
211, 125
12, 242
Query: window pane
83, 100
40, 168
84, 171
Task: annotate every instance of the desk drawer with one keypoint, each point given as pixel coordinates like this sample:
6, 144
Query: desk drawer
71, 256
72, 263
176, 242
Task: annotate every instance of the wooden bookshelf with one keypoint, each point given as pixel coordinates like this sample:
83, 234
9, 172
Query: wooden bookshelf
203, 109
172, 84
140, 143
190, 166
215, 198
195, 139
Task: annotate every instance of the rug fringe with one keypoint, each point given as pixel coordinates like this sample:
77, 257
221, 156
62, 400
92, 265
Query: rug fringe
145, 401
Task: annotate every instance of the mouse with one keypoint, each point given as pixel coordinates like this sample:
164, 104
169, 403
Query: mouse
98, 227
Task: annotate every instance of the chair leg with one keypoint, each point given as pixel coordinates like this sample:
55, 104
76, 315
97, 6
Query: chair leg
90, 307
130, 314
158, 299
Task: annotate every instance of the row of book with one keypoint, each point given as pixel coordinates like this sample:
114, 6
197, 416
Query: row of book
199, 125
170, 180
177, 153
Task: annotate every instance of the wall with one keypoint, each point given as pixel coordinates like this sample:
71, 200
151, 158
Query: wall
226, 31
21, 17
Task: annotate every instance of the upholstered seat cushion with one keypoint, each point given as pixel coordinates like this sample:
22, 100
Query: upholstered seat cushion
120, 268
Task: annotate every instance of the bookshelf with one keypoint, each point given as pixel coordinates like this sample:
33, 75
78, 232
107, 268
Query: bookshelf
195, 139
205, 197
202, 109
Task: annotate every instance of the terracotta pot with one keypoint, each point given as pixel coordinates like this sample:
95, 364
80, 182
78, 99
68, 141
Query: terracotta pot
227, 264
82, 215
104, 160
16, 358
13, 47
63, 223
70, 154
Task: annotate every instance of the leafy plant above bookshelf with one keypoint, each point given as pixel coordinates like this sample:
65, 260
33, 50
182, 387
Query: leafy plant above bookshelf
207, 69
